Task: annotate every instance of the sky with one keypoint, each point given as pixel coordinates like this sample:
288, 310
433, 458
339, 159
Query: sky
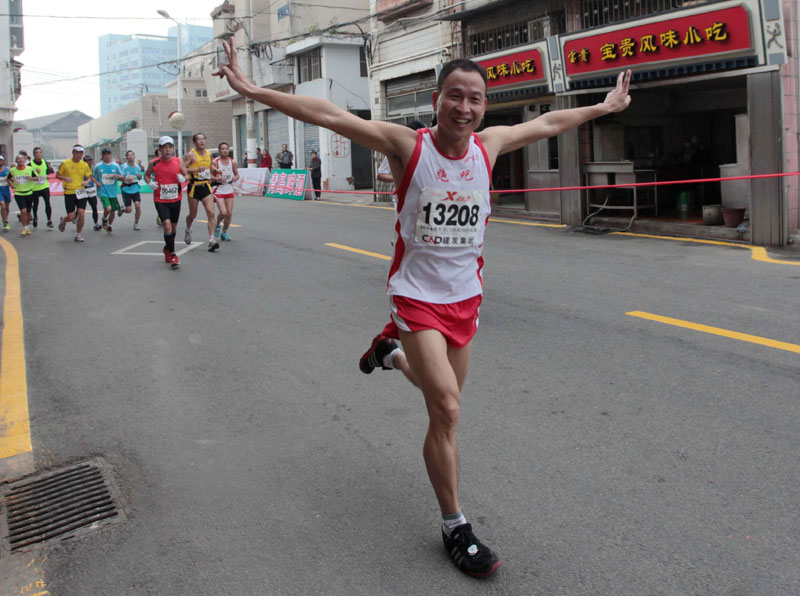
57, 47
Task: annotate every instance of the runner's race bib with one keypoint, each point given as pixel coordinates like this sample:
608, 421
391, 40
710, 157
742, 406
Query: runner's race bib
22, 179
107, 179
228, 178
448, 218
3, 182
169, 192
204, 175
41, 180
130, 179
82, 193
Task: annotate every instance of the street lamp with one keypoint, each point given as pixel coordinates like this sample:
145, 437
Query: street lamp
165, 14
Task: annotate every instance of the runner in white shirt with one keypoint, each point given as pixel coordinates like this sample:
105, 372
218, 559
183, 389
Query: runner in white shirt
228, 173
443, 210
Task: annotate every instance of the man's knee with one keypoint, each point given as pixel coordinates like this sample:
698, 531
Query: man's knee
444, 410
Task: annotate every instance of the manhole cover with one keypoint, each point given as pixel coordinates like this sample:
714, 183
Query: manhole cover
58, 505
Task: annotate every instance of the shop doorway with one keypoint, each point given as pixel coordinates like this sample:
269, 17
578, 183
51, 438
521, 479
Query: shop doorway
509, 171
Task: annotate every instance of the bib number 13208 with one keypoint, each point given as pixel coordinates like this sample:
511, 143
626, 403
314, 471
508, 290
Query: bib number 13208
452, 214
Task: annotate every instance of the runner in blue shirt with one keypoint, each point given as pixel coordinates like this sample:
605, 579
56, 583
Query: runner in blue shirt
5, 193
130, 187
106, 174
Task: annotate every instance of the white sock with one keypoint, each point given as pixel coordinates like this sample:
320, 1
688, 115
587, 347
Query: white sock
388, 360
451, 521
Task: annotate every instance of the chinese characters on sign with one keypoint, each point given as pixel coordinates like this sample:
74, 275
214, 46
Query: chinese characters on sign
514, 68
287, 184
715, 32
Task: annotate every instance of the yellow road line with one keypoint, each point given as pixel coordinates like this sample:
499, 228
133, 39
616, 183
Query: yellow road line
15, 430
206, 221
359, 251
526, 223
757, 253
753, 339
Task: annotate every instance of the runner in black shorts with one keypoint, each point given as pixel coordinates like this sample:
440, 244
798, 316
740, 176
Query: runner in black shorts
165, 176
198, 163
76, 175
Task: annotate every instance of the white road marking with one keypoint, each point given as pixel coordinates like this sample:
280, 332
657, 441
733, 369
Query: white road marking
127, 250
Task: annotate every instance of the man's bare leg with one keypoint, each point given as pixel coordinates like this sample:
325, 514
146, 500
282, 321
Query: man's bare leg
439, 371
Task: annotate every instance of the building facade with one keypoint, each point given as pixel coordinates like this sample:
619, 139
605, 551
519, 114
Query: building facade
11, 46
292, 49
148, 115
704, 75
123, 58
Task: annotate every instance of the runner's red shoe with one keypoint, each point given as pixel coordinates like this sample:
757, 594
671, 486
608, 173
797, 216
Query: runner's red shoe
175, 262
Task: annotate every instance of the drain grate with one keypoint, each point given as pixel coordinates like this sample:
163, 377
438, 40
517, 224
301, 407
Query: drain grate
58, 505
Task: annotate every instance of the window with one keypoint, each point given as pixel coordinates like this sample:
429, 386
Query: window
410, 96
362, 60
484, 36
200, 93
310, 65
600, 12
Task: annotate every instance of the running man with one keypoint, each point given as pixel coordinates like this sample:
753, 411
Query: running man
5, 193
198, 163
165, 175
21, 178
41, 187
435, 282
227, 174
106, 174
130, 188
76, 175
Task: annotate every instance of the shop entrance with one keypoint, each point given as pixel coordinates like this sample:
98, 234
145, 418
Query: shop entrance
681, 132
509, 171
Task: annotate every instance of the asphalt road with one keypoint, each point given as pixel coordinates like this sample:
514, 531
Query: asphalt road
601, 453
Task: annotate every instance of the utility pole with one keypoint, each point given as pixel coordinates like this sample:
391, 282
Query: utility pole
249, 106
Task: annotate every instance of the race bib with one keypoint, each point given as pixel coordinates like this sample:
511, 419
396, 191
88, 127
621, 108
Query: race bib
22, 179
229, 178
107, 179
81, 193
204, 175
41, 180
3, 182
448, 218
130, 179
169, 192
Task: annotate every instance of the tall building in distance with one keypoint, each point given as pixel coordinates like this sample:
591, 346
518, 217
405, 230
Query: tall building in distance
123, 56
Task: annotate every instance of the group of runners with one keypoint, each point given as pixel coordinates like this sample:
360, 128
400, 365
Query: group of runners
210, 184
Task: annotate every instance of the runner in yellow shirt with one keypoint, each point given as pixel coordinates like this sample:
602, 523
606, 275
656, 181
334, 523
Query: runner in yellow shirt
76, 176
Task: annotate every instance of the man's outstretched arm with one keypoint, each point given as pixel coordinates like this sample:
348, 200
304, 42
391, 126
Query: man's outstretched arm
384, 137
502, 139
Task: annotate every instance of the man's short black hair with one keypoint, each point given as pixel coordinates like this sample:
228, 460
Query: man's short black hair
195, 135
460, 64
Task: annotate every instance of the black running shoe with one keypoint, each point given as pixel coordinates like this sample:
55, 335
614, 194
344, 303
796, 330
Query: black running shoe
373, 358
468, 554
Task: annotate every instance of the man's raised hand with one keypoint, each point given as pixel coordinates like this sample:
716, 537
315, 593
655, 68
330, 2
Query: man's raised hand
231, 70
618, 99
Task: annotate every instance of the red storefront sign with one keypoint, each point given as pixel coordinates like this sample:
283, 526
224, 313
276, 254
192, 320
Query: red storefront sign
700, 34
514, 68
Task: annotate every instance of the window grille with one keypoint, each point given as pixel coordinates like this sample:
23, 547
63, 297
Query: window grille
512, 28
595, 13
